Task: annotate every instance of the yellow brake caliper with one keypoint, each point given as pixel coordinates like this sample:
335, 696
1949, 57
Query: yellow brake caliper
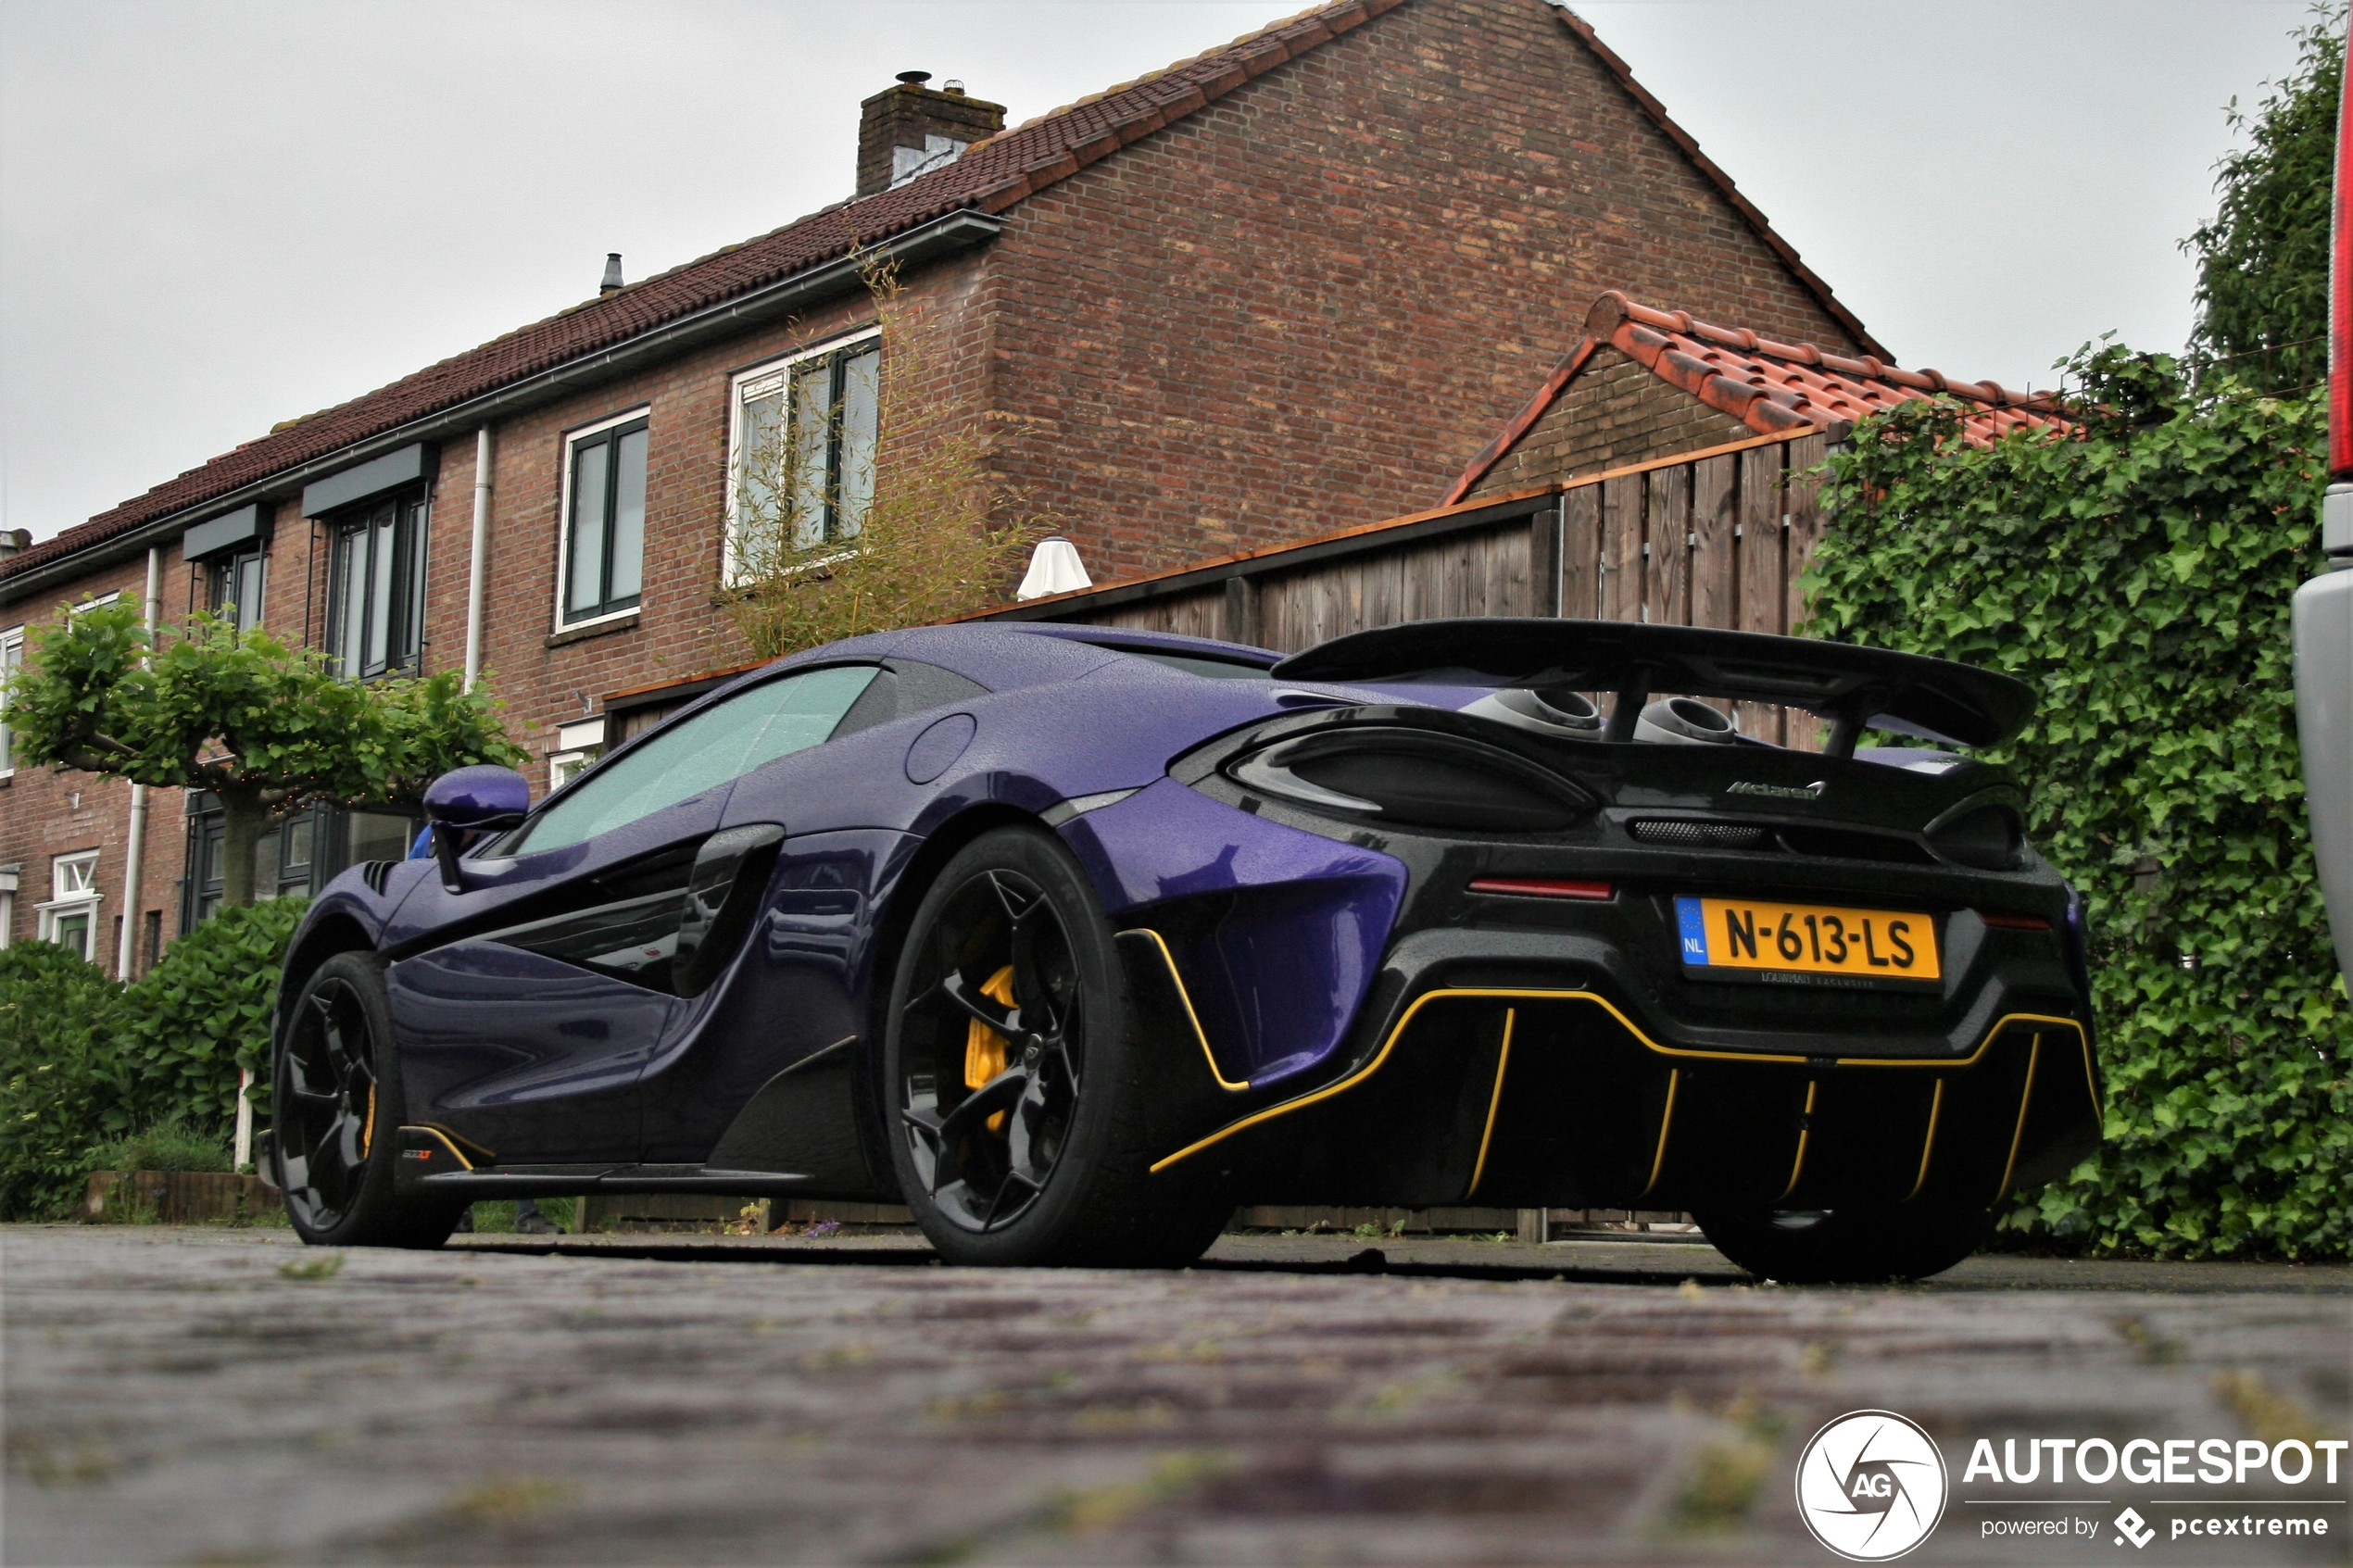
984, 1048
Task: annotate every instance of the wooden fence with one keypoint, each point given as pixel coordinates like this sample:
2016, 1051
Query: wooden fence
1711, 538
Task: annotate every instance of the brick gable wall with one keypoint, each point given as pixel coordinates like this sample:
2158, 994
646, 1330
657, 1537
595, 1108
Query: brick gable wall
1306, 305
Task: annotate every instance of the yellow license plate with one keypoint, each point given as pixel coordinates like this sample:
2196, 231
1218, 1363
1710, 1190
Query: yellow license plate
1752, 933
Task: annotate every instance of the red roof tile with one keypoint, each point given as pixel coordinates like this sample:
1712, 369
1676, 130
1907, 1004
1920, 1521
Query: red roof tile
1769, 386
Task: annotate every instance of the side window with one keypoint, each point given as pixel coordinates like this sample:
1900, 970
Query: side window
604, 551
801, 451
375, 587
236, 583
11, 660
775, 719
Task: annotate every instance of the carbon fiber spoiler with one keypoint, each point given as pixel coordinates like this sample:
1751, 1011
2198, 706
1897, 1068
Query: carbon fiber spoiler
1853, 687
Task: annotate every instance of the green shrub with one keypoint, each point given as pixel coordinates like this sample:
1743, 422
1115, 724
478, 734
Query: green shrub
2138, 572
170, 1145
202, 1014
94, 1074
63, 1084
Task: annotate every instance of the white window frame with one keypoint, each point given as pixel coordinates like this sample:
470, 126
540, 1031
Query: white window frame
66, 903
11, 659
735, 388
573, 438
8, 904
578, 745
97, 602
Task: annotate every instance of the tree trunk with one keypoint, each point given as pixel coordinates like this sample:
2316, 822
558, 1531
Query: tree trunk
242, 822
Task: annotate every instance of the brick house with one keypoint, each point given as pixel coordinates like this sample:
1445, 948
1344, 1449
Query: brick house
1146, 299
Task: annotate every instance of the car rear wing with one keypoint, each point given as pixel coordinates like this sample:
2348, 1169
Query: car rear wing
1854, 687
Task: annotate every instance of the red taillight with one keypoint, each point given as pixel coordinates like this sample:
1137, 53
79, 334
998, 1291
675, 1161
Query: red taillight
2014, 923
2341, 307
1541, 887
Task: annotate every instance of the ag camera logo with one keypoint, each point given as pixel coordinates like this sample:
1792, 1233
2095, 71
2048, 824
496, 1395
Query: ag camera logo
1872, 1486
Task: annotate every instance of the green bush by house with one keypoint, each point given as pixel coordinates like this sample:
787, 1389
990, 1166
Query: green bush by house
2138, 573
87, 1063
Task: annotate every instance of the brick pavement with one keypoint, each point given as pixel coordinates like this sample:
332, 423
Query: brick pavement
187, 1396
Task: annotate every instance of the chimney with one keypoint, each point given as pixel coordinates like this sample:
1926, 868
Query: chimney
910, 130
612, 275
14, 539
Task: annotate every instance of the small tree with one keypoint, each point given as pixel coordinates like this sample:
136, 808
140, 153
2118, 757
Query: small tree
2263, 261
265, 727
936, 538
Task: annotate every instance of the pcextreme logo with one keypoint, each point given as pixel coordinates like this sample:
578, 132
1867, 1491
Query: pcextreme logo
1872, 1486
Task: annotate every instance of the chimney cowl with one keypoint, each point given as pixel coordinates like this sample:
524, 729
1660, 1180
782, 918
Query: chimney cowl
911, 129
612, 283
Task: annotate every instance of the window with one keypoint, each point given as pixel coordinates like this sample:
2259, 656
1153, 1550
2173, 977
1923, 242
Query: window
576, 749
802, 451
11, 660
236, 583
604, 555
375, 592
283, 857
71, 917
772, 720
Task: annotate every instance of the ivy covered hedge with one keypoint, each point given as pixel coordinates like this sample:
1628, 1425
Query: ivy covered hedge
2138, 572
84, 1060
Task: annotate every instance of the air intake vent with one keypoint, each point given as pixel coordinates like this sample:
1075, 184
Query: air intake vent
375, 873
1700, 835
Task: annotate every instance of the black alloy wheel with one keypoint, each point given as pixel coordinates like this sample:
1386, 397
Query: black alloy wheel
986, 1131
1018, 1134
337, 1116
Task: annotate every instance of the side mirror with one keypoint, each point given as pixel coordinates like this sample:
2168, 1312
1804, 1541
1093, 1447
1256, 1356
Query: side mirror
469, 800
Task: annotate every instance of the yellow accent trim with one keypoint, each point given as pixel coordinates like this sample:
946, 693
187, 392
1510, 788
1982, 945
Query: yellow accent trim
368, 1133
1797, 1167
1991, 1036
2025, 1099
1494, 1102
1606, 1005
1658, 1160
1191, 1017
1928, 1146
445, 1142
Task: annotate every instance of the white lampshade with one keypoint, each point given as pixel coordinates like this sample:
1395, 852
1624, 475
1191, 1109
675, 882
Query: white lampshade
1053, 569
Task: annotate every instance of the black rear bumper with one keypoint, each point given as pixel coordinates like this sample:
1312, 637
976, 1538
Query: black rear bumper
1519, 1067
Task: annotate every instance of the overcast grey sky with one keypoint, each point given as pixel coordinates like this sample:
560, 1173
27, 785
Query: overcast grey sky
217, 216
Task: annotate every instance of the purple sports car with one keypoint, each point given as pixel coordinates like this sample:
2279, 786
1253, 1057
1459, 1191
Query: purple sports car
1073, 938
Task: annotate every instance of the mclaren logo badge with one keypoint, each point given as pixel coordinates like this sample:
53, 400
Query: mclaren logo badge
1779, 792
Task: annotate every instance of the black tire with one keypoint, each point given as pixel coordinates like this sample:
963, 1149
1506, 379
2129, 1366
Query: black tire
1869, 1245
336, 1113
1042, 1160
